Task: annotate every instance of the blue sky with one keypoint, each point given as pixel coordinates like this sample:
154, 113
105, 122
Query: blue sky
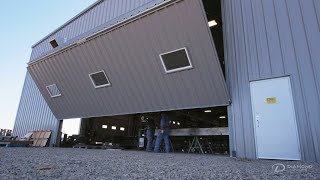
22, 24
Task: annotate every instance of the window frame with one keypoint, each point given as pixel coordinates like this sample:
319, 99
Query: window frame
104, 85
53, 96
56, 42
177, 69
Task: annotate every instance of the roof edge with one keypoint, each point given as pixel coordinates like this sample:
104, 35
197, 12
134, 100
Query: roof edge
102, 31
68, 22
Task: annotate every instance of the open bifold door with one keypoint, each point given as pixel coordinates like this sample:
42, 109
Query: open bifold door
161, 60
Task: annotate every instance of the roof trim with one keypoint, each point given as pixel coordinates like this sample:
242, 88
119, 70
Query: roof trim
68, 22
105, 30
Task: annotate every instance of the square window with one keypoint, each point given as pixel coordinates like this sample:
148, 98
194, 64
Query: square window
176, 60
99, 79
54, 43
53, 90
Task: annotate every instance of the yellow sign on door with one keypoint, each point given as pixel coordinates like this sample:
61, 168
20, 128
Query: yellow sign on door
271, 100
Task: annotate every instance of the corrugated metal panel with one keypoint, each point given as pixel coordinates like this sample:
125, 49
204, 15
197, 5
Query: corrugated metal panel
267, 39
34, 113
130, 57
96, 18
317, 9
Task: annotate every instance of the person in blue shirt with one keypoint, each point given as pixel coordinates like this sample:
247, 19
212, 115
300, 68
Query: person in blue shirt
163, 133
150, 134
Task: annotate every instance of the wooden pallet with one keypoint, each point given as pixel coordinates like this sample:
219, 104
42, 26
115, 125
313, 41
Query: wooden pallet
40, 138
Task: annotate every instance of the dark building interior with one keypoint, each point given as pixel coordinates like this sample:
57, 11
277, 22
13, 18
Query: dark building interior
213, 12
124, 131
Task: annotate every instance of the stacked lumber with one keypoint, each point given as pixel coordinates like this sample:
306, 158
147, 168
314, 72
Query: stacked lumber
40, 138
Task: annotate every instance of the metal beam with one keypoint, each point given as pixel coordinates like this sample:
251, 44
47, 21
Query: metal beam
219, 131
197, 118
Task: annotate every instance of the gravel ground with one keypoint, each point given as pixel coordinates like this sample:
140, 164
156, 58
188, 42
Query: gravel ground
63, 163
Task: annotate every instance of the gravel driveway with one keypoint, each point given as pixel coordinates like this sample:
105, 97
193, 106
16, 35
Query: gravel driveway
62, 163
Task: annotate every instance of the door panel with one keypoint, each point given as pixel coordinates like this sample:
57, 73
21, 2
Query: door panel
129, 56
274, 119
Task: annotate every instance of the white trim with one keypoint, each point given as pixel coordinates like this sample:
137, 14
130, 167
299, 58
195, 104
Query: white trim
53, 96
254, 121
177, 69
104, 85
295, 116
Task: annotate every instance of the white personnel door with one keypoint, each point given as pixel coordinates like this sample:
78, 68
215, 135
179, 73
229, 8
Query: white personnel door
274, 119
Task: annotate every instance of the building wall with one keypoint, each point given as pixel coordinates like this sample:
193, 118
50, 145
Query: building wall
100, 15
267, 39
34, 113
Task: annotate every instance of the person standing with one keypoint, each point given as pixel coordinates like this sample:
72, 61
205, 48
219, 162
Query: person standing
150, 134
163, 133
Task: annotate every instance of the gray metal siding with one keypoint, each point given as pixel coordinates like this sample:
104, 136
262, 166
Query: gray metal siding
102, 15
130, 57
317, 9
267, 39
34, 113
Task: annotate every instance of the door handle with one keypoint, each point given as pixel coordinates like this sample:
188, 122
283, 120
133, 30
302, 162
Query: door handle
258, 120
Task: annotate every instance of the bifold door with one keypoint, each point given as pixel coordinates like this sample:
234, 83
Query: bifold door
165, 60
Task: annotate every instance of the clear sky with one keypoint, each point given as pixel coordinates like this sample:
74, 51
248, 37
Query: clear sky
22, 24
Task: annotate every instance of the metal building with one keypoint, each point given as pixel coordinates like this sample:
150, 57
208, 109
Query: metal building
34, 113
135, 56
